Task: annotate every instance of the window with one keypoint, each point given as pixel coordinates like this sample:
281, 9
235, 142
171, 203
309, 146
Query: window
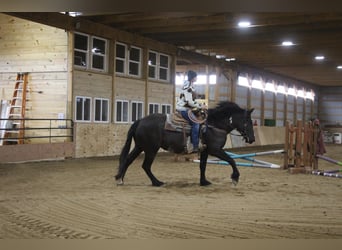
164, 67
99, 53
101, 110
120, 58
134, 61
158, 66
152, 65
81, 50
90, 52
166, 108
136, 111
127, 60
121, 111
83, 108
153, 108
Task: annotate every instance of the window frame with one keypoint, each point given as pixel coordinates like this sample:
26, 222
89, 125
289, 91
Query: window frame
90, 108
122, 111
129, 61
153, 66
138, 103
154, 107
121, 59
86, 52
157, 66
90, 54
105, 55
101, 109
162, 67
166, 105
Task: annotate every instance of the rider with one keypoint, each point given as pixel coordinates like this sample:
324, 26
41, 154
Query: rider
187, 101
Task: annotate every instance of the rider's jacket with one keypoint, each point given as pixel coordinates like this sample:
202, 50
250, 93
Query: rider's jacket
187, 98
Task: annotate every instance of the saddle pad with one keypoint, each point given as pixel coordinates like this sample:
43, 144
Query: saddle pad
175, 122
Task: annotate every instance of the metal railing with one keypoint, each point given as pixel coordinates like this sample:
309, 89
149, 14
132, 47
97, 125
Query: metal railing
36, 128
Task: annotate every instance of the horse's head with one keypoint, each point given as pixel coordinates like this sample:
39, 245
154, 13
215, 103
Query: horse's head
242, 122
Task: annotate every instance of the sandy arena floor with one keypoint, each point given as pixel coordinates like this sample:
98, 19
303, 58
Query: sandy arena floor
79, 199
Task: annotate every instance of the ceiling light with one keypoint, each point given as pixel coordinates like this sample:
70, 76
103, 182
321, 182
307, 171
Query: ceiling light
244, 24
339, 67
220, 56
287, 43
319, 58
230, 59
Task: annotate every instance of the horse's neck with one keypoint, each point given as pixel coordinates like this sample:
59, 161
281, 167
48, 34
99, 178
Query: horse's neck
225, 125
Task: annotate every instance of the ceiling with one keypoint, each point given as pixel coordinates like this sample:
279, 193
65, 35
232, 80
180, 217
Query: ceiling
258, 46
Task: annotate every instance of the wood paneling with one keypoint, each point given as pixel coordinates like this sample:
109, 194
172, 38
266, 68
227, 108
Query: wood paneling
42, 51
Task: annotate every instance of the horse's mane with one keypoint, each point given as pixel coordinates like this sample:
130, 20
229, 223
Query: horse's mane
223, 110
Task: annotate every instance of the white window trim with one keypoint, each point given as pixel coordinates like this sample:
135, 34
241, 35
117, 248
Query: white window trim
90, 111
105, 56
82, 51
126, 61
166, 105
154, 66
122, 59
157, 67
89, 54
131, 110
167, 69
137, 62
154, 104
128, 115
108, 110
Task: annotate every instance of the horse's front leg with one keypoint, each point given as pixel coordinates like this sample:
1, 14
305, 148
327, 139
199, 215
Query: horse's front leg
203, 165
220, 153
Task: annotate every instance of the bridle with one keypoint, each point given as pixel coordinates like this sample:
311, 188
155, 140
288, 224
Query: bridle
243, 133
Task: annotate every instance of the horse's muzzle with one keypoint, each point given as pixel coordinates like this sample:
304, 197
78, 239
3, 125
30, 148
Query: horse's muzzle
249, 140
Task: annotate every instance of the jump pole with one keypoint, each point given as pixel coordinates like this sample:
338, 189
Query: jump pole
257, 153
328, 174
271, 165
243, 164
329, 159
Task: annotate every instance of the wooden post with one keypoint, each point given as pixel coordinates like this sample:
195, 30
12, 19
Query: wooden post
298, 146
315, 140
286, 146
291, 145
306, 145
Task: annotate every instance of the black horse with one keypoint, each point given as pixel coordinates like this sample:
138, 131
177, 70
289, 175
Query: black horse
150, 135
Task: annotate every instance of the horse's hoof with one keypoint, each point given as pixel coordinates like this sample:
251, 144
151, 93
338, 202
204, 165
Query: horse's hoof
119, 182
205, 183
158, 184
234, 183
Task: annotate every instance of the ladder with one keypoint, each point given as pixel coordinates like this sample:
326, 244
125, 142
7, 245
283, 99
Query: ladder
15, 129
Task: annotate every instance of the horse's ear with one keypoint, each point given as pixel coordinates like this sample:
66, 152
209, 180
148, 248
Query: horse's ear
251, 110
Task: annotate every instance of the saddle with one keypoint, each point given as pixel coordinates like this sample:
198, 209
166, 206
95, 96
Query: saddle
176, 122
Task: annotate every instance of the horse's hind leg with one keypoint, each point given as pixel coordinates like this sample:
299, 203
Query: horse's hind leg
130, 158
149, 157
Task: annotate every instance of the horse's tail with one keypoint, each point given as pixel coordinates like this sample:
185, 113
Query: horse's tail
125, 149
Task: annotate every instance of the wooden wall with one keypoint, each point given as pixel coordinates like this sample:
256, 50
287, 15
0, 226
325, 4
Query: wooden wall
330, 106
99, 139
91, 84
94, 139
42, 51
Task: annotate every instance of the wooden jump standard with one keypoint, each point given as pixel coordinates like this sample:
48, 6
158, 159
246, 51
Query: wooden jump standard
301, 142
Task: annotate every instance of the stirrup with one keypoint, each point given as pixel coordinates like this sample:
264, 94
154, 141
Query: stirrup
202, 146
